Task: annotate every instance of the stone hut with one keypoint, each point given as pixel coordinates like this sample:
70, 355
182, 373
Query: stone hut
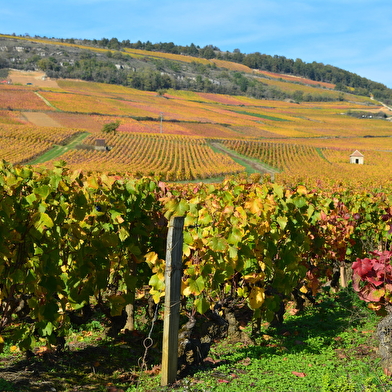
100, 145
357, 158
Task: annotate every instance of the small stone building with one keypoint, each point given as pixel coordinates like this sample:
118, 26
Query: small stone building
357, 158
100, 145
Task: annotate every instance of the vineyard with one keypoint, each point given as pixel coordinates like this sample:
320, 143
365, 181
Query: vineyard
74, 243
84, 233
319, 166
295, 79
169, 157
260, 241
168, 136
22, 143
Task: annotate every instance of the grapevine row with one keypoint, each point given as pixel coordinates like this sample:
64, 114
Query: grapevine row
21, 143
70, 239
326, 167
171, 157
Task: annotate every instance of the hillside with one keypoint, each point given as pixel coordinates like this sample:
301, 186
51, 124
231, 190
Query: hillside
99, 144
187, 134
153, 67
169, 135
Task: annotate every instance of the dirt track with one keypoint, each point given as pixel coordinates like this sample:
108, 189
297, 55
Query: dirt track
41, 119
36, 78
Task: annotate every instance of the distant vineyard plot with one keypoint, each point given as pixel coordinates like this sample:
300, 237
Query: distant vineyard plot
22, 143
166, 135
169, 157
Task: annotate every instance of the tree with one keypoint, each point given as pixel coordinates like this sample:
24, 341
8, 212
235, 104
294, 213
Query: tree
298, 96
161, 92
111, 127
49, 63
114, 44
193, 50
207, 52
238, 57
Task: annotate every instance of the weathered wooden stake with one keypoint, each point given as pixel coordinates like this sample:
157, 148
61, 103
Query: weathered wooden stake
173, 275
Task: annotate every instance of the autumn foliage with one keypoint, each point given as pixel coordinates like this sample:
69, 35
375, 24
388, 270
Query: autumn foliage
372, 279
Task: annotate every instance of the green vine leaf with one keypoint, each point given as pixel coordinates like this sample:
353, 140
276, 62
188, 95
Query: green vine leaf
42, 221
201, 305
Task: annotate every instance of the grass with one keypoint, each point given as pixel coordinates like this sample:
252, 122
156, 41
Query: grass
320, 153
266, 117
251, 165
57, 151
329, 347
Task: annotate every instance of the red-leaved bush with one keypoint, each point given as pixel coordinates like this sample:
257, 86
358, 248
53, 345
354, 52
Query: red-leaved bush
372, 279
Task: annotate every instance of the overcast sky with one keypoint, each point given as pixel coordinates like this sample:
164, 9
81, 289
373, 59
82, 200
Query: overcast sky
355, 35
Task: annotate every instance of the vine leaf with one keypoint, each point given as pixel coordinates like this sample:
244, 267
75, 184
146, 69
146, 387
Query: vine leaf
201, 305
282, 220
41, 221
117, 304
218, 244
256, 297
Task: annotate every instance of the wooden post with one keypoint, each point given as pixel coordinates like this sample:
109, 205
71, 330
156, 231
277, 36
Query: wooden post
173, 275
343, 276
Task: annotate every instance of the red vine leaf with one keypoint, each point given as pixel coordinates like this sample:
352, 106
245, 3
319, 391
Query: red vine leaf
362, 266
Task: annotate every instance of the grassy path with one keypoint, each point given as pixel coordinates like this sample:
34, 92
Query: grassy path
320, 152
57, 150
251, 165
46, 101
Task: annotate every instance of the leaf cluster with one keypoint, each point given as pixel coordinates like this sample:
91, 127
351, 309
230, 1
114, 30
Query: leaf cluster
70, 238
372, 279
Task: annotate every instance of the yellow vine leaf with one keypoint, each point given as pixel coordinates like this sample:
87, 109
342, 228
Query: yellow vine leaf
185, 289
240, 292
156, 295
253, 278
374, 306
151, 258
262, 265
254, 206
263, 228
302, 190
14, 349
92, 183
256, 297
303, 289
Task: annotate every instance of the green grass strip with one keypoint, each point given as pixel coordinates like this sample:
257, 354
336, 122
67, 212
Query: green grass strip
319, 151
46, 101
260, 115
57, 150
244, 160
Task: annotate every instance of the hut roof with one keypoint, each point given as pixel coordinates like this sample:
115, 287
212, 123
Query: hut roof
356, 153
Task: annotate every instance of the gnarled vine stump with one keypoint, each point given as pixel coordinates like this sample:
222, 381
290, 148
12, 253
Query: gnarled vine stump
384, 334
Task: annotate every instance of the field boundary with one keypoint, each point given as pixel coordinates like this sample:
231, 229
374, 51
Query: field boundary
258, 166
57, 150
46, 101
